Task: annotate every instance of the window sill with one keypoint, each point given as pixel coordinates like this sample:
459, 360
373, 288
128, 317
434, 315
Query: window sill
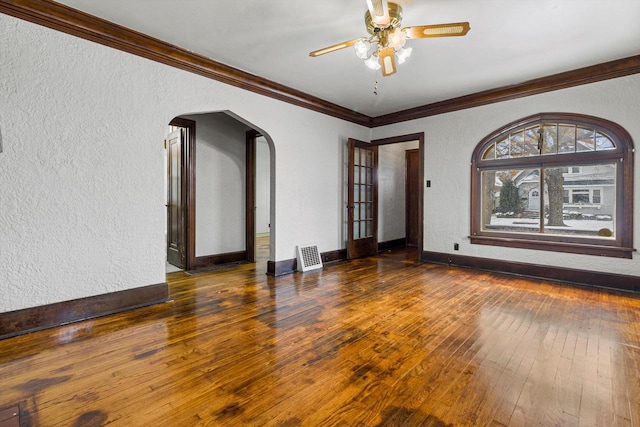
566, 247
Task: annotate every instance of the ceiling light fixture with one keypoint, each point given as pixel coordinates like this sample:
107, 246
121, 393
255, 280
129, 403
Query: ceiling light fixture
384, 48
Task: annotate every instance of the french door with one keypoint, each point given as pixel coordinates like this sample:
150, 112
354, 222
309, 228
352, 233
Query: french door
362, 204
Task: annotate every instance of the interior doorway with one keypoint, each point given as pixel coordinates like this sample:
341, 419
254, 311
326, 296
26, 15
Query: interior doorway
179, 181
258, 198
406, 179
233, 198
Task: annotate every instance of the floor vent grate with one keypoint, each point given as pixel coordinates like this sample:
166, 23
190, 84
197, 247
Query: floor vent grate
309, 258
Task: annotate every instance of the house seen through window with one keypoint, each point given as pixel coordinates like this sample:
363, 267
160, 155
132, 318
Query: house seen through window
557, 182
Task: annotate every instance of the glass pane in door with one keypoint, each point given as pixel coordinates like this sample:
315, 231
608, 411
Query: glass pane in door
363, 193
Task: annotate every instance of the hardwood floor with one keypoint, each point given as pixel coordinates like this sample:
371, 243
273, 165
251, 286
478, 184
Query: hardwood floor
376, 341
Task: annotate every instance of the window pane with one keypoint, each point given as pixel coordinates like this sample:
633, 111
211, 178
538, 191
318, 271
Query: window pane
580, 196
356, 156
603, 142
490, 153
566, 139
550, 136
517, 144
356, 230
369, 158
585, 140
596, 196
585, 211
511, 200
502, 149
531, 142
363, 175
363, 229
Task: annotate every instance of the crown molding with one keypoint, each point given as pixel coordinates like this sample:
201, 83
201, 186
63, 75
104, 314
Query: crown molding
581, 76
71, 21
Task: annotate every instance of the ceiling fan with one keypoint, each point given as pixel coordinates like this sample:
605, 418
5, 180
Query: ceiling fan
387, 40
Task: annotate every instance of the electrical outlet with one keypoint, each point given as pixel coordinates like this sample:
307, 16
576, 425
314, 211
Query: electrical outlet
456, 246
428, 183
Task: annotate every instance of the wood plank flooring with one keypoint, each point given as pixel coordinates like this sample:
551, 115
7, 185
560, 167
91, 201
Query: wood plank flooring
381, 341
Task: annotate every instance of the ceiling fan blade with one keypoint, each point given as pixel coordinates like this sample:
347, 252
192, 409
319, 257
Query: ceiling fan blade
379, 10
333, 48
438, 30
387, 61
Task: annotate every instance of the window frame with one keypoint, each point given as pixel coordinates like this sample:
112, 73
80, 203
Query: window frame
621, 246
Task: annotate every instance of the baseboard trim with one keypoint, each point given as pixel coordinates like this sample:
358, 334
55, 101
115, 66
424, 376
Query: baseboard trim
229, 257
19, 322
390, 244
565, 275
288, 266
333, 256
281, 268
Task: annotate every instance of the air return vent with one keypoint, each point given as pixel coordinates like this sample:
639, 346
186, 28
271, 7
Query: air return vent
309, 258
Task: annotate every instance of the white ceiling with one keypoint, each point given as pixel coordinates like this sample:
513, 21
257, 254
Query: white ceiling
510, 41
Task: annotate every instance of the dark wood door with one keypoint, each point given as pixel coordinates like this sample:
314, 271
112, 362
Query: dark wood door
362, 204
175, 199
250, 195
412, 197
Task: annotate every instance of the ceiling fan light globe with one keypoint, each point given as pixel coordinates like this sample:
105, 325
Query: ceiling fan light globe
397, 39
362, 48
372, 63
403, 54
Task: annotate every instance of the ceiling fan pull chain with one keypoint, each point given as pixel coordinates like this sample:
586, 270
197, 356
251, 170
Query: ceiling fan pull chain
375, 88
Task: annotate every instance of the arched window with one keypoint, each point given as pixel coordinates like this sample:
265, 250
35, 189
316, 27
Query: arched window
555, 181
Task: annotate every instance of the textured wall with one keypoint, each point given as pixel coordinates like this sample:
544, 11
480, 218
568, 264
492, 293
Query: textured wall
81, 172
451, 138
75, 222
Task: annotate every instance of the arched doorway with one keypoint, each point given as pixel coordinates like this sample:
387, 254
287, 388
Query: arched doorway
218, 221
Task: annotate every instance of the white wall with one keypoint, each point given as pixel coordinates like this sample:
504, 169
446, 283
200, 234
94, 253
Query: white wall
449, 143
220, 184
391, 190
263, 181
82, 194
